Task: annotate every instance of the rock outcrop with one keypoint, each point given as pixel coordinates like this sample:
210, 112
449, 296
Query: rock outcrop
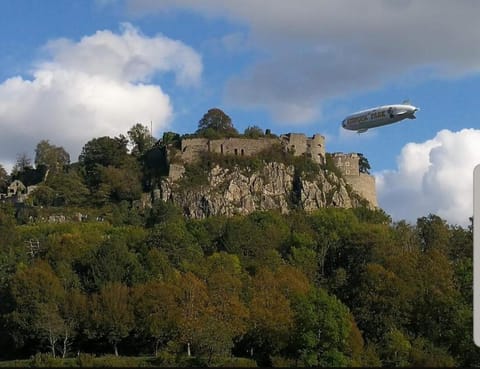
241, 191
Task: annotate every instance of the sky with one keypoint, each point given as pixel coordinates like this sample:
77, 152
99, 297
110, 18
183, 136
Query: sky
74, 70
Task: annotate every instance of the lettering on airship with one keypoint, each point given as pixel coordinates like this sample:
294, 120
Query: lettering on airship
377, 114
361, 118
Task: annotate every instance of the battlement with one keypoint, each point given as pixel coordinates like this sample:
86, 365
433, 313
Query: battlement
299, 144
348, 164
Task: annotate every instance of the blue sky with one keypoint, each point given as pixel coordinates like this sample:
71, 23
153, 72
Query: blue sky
74, 70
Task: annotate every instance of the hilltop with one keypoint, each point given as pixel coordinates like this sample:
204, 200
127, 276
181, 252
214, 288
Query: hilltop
214, 171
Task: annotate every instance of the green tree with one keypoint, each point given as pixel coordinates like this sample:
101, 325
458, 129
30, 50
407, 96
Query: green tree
322, 328
8, 232
218, 122
53, 157
304, 259
102, 152
111, 262
363, 164
22, 163
437, 298
112, 314
3, 179
141, 139
156, 311
271, 317
383, 301
193, 302
74, 312
38, 294
43, 196
396, 348
434, 233
424, 354
253, 132
157, 265
24, 171
173, 239
257, 238
69, 189
171, 138
123, 184
228, 316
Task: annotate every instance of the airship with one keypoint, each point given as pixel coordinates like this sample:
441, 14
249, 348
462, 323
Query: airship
380, 116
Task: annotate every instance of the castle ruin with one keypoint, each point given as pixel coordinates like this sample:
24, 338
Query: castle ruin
363, 183
296, 143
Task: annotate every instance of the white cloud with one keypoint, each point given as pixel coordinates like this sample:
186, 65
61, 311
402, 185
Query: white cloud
95, 87
435, 176
318, 49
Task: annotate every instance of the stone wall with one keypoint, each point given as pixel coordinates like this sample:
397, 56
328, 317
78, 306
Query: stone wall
192, 147
298, 143
348, 164
316, 148
175, 171
241, 146
362, 183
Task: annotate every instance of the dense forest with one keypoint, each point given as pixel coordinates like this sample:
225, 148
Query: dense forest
335, 287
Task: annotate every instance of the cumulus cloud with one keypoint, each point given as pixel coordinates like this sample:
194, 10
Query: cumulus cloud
435, 176
320, 49
100, 85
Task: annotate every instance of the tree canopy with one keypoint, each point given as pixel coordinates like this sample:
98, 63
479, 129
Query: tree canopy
216, 123
53, 157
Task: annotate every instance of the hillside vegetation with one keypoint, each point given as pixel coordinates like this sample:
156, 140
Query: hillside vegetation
88, 277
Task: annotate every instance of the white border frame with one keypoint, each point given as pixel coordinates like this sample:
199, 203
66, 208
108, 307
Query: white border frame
476, 255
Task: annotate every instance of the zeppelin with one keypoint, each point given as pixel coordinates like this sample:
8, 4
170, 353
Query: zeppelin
379, 116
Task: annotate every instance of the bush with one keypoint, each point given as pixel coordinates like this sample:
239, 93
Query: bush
281, 362
45, 360
164, 358
85, 360
116, 361
238, 362
191, 361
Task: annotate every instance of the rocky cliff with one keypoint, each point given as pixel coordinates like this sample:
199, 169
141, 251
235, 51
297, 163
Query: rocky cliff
231, 191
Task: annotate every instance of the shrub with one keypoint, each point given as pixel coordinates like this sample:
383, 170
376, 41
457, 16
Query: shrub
85, 360
238, 362
45, 360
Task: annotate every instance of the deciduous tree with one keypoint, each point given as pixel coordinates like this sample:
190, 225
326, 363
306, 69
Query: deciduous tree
156, 311
141, 139
53, 157
112, 314
218, 122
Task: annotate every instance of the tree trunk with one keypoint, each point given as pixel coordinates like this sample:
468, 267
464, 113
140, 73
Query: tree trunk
65, 345
115, 348
188, 349
157, 343
52, 341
